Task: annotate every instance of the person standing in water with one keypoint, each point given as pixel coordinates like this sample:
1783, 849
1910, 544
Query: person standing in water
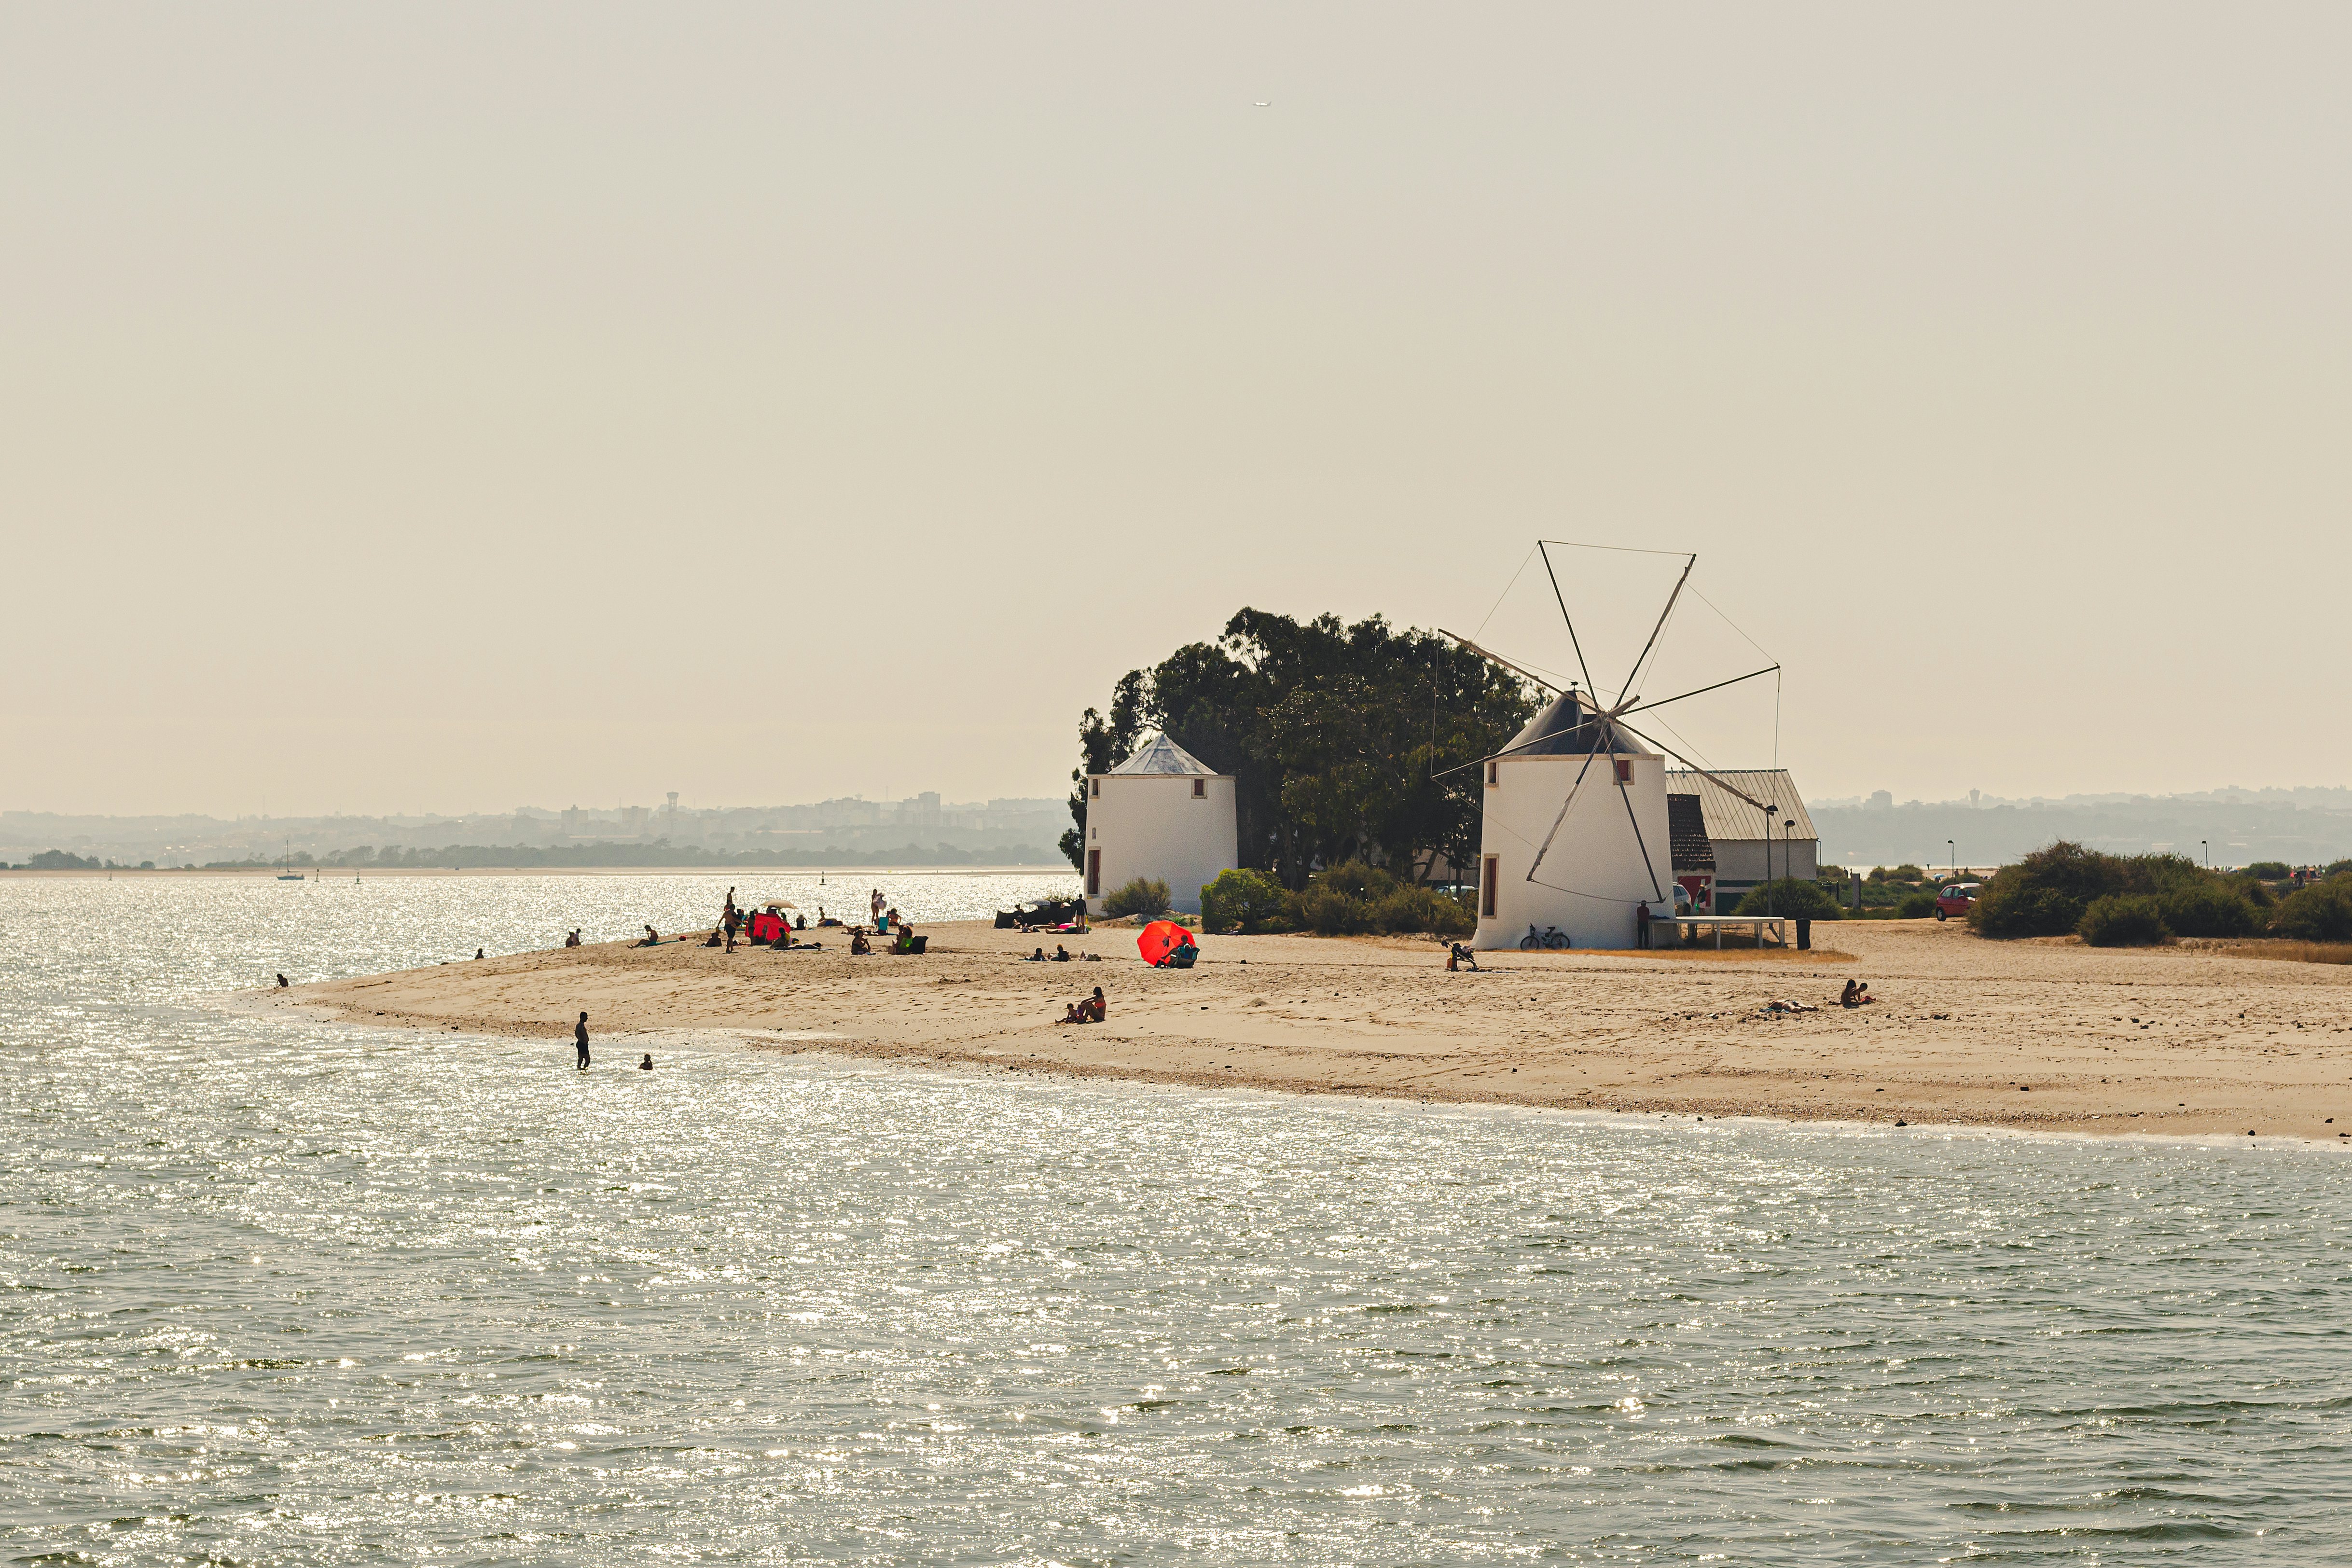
580, 1038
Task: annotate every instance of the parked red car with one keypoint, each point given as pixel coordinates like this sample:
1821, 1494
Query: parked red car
1955, 899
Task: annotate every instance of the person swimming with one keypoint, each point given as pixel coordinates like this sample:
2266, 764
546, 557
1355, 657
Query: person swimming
647, 1065
580, 1038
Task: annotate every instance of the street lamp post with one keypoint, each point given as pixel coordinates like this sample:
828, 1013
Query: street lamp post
2207, 846
1769, 812
1951, 859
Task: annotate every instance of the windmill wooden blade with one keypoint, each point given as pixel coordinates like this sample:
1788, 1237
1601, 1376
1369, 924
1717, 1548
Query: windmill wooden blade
1700, 691
1633, 674
1626, 794
1564, 615
1707, 774
1600, 731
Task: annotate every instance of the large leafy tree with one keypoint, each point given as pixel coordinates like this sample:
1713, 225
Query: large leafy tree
1340, 737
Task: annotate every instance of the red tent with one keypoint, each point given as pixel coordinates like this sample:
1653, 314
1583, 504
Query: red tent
1159, 938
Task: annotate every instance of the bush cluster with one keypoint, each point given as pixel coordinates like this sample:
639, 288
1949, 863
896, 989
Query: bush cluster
2053, 891
2320, 913
2124, 919
1349, 899
1247, 901
1798, 899
1146, 896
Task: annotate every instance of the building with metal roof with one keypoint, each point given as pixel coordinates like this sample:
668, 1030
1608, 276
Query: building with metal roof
1731, 803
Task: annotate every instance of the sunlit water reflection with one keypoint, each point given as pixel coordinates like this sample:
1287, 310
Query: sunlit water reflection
279, 1292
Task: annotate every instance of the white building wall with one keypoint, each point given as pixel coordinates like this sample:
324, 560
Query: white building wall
1739, 862
1595, 853
1153, 825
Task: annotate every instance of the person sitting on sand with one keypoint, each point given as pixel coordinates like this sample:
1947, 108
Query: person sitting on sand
477, 953
1091, 1010
1061, 954
653, 938
1847, 997
1862, 996
572, 939
281, 983
1036, 957
712, 940
647, 1065
859, 944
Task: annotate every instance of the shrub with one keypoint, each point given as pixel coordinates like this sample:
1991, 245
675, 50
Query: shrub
2211, 908
1146, 896
1334, 911
1793, 897
2045, 893
2124, 919
1248, 901
1916, 906
2271, 870
1411, 908
1353, 897
2337, 868
2322, 913
2026, 912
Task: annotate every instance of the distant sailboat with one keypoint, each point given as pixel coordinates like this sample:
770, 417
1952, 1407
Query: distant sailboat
286, 872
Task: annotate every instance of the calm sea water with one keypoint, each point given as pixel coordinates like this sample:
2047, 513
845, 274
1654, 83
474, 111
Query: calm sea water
284, 1293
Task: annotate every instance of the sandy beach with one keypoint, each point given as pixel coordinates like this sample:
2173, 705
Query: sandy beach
2039, 1035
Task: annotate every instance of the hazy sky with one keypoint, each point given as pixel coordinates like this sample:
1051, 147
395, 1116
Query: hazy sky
417, 408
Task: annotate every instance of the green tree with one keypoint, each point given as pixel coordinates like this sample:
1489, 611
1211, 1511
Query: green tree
1339, 738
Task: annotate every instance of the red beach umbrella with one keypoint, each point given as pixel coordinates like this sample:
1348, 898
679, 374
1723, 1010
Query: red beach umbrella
1159, 938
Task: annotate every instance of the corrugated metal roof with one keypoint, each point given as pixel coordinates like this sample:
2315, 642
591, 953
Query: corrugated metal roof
1159, 754
1730, 817
1693, 851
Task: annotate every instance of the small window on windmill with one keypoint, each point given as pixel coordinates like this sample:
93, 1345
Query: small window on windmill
1200, 789
1493, 775
1096, 789
1624, 770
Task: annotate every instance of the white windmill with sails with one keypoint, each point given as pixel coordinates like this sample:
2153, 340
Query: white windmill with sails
1574, 837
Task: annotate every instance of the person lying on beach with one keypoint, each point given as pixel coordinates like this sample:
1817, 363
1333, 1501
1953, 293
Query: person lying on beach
1036, 957
1097, 957
859, 944
1782, 1005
